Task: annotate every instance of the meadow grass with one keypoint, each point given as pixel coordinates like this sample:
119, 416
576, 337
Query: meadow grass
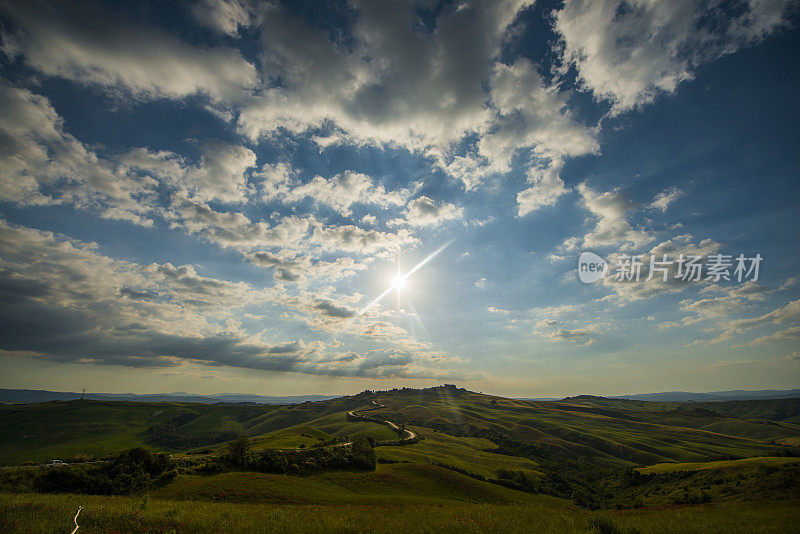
34, 513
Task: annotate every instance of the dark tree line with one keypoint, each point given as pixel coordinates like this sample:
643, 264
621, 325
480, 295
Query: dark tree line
132, 471
358, 455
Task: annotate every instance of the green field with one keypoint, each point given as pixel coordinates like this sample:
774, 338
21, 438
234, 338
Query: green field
478, 464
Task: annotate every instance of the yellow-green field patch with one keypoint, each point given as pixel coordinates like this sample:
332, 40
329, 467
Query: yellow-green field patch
464, 453
721, 464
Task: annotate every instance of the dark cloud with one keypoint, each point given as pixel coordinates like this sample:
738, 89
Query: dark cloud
332, 310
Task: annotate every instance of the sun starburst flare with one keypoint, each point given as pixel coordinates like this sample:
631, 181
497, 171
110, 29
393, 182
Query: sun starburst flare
400, 280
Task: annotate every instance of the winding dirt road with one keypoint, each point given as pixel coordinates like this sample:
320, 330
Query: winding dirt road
409, 435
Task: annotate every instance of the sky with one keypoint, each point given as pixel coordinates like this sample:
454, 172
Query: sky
325, 197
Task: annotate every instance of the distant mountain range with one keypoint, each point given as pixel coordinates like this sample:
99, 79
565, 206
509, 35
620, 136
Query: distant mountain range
35, 395
685, 396
735, 394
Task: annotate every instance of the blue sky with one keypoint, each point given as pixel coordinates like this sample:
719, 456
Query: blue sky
207, 196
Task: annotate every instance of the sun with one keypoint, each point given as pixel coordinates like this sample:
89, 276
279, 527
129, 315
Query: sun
399, 282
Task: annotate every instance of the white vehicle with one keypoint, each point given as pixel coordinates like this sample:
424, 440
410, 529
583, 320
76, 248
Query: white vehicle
55, 463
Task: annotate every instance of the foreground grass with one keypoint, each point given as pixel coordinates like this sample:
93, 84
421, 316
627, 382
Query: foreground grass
33, 513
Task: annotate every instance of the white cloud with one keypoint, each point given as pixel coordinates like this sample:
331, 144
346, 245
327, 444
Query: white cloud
298, 268
610, 209
626, 291
547, 188
234, 229
340, 191
788, 334
220, 174
629, 52
43, 164
531, 114
90, 44
786, 314
351, 238
72, 304
582, 336
224, 16
418, 89
665, 198
424, 211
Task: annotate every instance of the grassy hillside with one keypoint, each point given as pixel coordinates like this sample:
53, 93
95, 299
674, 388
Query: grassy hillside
748, 479
721, 464
388, 484
465, 453
475, 459
619, 431
62, 429
38, 432
321, 430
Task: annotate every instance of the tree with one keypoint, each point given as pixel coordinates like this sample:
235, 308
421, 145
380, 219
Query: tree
239, 451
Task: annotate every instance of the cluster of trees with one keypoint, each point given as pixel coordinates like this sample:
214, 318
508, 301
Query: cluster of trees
583, 480
357, 455
398, 442
132, 471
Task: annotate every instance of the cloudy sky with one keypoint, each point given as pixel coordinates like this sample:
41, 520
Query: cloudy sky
215, 196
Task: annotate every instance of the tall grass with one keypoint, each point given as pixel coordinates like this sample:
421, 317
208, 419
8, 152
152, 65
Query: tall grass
30, 513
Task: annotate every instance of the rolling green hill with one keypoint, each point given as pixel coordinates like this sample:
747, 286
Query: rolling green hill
613, 431
764, 461
469, 450
62, 429
617, 432
388, 484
